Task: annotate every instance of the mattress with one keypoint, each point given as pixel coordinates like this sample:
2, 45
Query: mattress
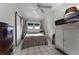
32, 40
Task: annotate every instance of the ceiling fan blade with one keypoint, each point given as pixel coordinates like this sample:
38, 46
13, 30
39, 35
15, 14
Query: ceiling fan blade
45, 6
38, 5
37, 8
41, 10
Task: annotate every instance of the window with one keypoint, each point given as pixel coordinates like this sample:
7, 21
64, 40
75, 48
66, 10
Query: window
33, 26
30, 25
37, 26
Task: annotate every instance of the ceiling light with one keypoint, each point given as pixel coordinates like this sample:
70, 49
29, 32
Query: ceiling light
34, 11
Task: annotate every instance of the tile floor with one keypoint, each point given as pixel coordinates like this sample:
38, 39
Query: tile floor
37, 50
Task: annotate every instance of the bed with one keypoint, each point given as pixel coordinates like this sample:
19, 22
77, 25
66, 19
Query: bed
31, 40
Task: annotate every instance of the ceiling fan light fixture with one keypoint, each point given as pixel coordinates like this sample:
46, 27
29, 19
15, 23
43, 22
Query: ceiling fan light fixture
34, 11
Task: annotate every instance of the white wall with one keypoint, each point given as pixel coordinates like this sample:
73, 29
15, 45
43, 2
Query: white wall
7, 14
48, 23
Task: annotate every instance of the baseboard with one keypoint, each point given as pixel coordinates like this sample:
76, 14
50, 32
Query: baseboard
61, 51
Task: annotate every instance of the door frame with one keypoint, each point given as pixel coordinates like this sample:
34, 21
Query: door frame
16, 13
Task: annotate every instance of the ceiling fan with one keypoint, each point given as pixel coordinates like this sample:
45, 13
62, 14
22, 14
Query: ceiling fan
41, 6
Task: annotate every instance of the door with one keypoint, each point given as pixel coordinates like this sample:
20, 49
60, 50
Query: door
70, 39
75, 49
59, 37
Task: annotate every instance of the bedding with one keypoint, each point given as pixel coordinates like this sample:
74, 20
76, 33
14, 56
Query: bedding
36, 34
31, 40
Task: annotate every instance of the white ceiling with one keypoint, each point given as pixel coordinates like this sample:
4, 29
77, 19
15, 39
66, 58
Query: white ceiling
28, 9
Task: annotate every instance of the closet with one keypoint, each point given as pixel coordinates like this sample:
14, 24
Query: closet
59, 37
67, 38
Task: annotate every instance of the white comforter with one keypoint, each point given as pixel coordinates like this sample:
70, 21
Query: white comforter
36, 34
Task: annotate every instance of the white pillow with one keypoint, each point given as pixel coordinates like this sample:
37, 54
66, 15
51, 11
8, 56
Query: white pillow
67, 15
